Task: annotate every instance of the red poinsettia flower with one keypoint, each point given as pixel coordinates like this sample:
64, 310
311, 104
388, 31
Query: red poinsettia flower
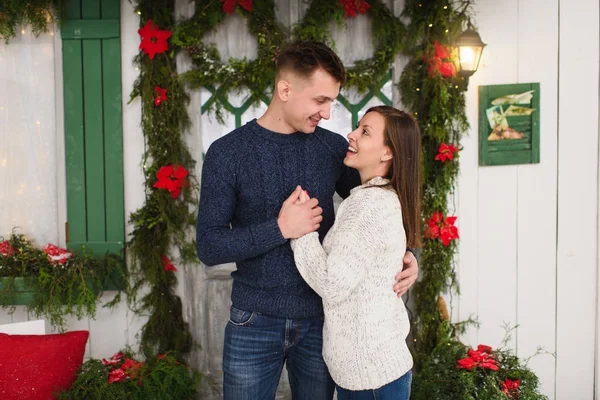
168, 264
477, 355
352, 7
446, 152
482, 358
441, 51
172, 178
482, 348
154, 40
509, 386
161, 95
433, 229
438, 227
440, 62
114, 360
229, 5
447, 69
467, 363
116, 375
448, 231
56, 254
6, 249
132, 367
489, 364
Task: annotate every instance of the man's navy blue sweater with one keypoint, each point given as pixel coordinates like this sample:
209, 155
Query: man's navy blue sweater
246, 177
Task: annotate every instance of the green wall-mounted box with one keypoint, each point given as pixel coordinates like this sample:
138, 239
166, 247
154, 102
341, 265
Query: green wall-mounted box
509, 124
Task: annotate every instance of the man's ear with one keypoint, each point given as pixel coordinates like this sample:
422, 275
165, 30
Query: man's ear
284, 88
387, 154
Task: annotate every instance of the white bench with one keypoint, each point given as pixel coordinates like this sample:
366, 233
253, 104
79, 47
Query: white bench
37, 327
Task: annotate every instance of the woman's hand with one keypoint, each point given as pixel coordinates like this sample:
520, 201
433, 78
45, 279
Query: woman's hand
304, 197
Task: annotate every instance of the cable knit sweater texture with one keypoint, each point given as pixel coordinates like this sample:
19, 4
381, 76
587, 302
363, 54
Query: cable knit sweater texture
366, 325
246, 177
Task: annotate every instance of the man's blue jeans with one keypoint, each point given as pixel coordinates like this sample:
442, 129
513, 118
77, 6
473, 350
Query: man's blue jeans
256, 347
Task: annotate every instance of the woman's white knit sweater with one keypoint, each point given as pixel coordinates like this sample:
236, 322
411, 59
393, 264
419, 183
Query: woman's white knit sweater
366, 325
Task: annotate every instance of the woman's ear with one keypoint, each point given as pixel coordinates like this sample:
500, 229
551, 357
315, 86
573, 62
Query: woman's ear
387, 154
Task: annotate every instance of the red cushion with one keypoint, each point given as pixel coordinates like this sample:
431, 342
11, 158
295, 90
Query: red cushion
34, 367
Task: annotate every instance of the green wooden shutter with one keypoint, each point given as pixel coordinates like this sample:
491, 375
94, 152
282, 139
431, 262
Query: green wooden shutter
93, 126
525, 150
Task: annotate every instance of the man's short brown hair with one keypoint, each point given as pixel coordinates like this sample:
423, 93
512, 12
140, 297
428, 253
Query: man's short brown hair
305, 57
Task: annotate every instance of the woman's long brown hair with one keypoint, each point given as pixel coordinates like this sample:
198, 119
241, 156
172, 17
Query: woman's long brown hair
403, 136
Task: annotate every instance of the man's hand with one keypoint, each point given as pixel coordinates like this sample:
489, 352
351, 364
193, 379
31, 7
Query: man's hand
408, 275
297, 217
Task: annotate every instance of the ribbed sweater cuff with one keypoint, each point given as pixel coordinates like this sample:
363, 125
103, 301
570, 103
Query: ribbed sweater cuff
268, 234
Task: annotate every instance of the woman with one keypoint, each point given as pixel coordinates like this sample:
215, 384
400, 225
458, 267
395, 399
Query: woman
364, 335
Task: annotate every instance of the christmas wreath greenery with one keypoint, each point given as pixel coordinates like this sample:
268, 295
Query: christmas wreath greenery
255, 75
387, 35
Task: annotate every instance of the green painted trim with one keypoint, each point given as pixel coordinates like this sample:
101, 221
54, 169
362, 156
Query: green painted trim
90, 29
99, 248
73, 9
94, 141
93, 127
535, 128
236, 111
353, 108
23, 291
74, 139
113, 140
110, 9
90, 9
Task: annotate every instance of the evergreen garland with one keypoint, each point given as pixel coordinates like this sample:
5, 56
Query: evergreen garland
438, 103
122, 377
19, 13
255, 75
442, 378
387, 36
70, 287
164, 223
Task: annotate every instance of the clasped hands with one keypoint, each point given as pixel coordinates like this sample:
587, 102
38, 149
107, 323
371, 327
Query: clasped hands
299, 215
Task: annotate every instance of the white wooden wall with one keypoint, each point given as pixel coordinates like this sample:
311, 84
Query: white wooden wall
529, 238
529, 233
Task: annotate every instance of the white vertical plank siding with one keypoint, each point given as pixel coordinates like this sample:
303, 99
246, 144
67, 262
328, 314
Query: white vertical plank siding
537, 210
497, 187
577, 199
133, 140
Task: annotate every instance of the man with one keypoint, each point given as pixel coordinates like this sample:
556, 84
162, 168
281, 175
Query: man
247, 216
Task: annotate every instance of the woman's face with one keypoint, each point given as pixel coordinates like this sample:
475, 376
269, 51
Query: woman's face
367, 151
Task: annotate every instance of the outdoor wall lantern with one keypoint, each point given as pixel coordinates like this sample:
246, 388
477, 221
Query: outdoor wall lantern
470, 47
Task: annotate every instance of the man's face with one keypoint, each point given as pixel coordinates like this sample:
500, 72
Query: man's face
309, 100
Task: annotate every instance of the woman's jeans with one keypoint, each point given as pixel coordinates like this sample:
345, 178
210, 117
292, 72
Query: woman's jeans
396, 390
256, 347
